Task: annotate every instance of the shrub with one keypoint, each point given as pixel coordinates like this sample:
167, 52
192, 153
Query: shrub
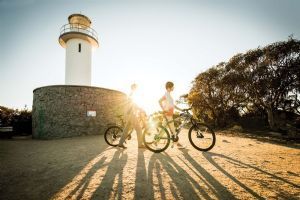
21, 121
6, 116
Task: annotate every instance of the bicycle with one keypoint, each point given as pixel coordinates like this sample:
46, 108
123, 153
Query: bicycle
113, 133
157, 137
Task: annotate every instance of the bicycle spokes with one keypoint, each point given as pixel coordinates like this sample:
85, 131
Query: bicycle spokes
156, 139
202, 137
199, 133
113, 135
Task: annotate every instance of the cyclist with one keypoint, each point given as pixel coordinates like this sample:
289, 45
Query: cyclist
166, 102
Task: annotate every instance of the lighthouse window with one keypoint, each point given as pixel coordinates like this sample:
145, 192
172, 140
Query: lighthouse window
79, 47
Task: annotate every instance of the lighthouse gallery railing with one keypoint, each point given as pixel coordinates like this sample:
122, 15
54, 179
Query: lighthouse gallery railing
67, 28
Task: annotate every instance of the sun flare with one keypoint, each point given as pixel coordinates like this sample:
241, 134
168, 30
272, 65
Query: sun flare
150, 88
147, 101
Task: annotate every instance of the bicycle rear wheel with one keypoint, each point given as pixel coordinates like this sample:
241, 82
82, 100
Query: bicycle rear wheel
202, 137
156, 139
112, 135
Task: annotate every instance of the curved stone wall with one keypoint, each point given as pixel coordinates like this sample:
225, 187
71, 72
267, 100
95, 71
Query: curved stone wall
62, 110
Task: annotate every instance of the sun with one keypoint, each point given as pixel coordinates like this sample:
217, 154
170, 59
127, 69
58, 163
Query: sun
146, 98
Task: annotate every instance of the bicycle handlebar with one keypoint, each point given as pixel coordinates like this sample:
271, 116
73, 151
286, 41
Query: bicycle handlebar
187, 109
183, 110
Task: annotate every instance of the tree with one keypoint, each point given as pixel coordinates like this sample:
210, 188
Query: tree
6, 116
267, 78
215, 94
271, 75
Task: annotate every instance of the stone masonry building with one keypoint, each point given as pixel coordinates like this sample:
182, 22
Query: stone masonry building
65, 111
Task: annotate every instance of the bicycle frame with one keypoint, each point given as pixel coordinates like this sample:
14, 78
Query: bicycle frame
188, 119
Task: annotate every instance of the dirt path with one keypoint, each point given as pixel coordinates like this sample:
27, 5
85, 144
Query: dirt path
86, 168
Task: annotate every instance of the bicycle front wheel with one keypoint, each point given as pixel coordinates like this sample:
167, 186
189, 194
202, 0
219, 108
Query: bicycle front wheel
112, 135
156, 139
202, 137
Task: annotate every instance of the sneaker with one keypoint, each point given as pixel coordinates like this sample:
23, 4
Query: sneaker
122, 146
180, 146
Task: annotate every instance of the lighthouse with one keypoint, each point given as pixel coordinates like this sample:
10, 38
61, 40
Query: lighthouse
78, 38
75, 108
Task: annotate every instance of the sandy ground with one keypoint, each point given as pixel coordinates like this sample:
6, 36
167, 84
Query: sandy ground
87, 168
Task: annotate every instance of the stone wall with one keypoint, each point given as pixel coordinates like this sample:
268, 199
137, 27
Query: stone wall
61, 110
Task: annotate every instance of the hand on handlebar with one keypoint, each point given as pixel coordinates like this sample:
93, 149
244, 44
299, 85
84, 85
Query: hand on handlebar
185, 110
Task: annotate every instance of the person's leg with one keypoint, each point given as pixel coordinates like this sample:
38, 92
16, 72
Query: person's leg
171, 124
138, 131
172, 127
125, 133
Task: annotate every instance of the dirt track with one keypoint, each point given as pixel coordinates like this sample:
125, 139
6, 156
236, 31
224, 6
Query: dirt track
86, 168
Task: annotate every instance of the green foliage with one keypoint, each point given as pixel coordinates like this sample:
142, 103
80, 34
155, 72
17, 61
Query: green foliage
266, 78
21, 121
6, 116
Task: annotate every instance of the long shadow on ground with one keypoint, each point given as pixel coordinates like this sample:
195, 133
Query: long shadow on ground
44, 167
181, 185
210, 157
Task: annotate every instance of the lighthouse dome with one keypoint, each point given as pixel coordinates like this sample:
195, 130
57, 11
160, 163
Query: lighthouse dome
79, 19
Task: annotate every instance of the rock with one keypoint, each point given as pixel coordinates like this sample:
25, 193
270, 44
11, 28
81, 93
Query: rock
275, 134
292, 131
236, 128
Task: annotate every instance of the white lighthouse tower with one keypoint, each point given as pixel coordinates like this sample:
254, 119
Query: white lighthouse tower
78, 38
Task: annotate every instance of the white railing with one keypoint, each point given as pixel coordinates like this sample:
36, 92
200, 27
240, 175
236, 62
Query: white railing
67, 28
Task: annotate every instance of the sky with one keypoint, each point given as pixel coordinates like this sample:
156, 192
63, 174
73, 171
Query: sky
147, 42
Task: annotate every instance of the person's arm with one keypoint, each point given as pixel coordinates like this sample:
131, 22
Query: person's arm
161, 101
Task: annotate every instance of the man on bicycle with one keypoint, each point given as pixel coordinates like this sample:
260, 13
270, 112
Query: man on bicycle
166, 102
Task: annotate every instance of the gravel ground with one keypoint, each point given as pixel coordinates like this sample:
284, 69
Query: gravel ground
87, 168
